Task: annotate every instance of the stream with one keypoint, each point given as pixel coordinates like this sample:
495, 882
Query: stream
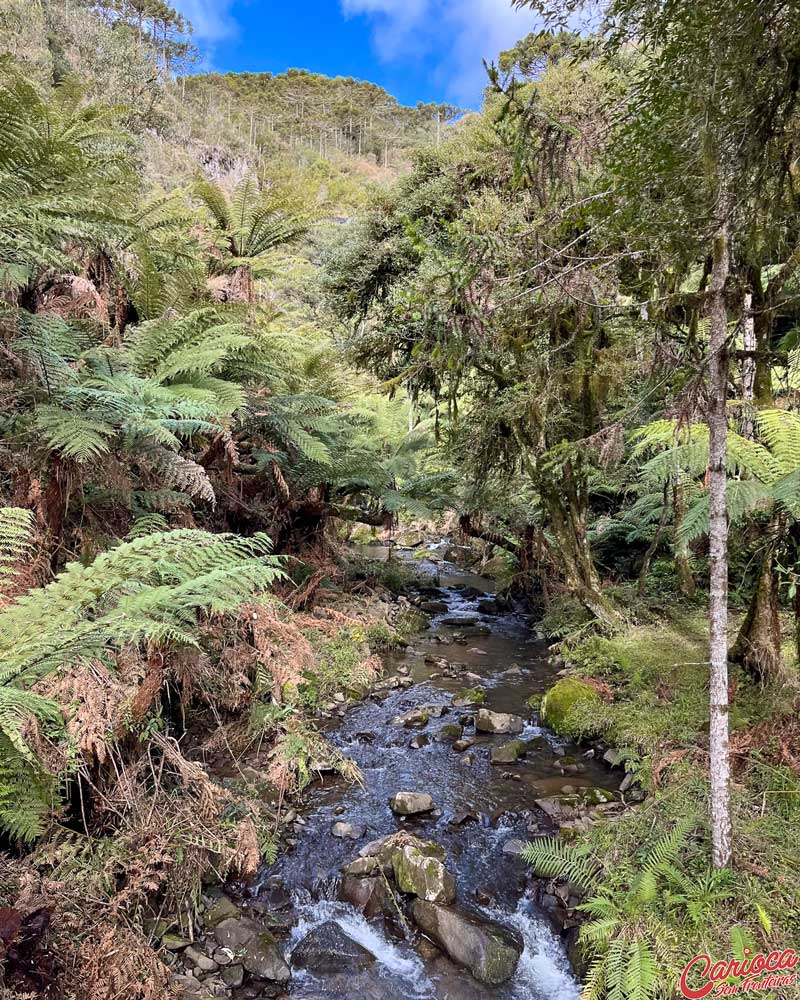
480, 807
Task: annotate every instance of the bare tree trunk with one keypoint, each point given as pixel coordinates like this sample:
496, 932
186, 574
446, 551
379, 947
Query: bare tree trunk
653, 546
718, 550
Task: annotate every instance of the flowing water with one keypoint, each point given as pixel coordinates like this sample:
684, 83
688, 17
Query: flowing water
480, 808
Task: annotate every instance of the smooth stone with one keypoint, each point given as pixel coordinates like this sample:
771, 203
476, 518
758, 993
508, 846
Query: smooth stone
489, 950
255, 947
411, 803
498, 722
348, 831
508, 753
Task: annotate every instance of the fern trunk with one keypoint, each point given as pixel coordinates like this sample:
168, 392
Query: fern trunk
683, 562
718, 551
758, 645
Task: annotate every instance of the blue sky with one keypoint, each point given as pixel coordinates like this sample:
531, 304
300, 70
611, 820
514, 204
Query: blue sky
419, 50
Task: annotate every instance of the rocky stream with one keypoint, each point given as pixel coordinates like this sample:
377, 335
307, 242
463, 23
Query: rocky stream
411, 886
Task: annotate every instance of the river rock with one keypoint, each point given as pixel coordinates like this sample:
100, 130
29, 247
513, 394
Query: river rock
489, 950
450, 732
254, 947
434, 607
464, 744
419, 869
515, 847
411, 803
508, 753
328, 949
348, 831
489, 607
566, 696
498, 722
418, 717
366, 893
469, 696
221, 909
419, 741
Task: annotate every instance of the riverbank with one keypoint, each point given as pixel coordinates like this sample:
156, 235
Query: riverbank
648, 700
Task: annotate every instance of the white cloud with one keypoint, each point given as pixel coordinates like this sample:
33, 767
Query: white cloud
455, 35
212, 19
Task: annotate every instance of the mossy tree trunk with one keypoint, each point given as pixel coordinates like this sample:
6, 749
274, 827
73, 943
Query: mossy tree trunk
566, 503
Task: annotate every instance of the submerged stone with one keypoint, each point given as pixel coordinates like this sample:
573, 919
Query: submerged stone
328, 949
508, 753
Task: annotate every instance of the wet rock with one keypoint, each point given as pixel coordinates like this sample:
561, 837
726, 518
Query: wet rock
419, 869
468, 759
411, 803
367, 894
233, 975
460, 621
418, 717
538, 744
498, 722
470, 593
489, 950
627, 781
449, 733
254, 947
420, 741
489, 607
348, 831
469, 696
434, 607
427, 950
515, 847
328, 949
613, 758
464, 744
508, 753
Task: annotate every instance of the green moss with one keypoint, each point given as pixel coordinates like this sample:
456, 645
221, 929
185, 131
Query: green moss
562, 699
469, 696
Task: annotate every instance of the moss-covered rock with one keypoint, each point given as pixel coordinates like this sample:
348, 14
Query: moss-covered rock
469, 696
419, 869
562, 699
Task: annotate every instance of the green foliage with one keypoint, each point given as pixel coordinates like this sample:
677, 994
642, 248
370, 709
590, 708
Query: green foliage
16, 529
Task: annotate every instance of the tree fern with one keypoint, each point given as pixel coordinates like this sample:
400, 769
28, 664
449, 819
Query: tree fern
16, 541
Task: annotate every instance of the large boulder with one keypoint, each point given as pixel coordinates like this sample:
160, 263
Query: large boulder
419, 869
328, 949
563, 697
411, 803
254, 948
498, 722
489, 950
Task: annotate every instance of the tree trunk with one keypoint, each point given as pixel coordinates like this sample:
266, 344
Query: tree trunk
748, 364
718, 550
566, 505
683, 562
758, 645
652, 548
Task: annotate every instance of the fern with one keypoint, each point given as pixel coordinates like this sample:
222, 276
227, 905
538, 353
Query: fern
16, 530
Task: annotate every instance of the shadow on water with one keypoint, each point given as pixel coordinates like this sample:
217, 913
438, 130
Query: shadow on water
480, 807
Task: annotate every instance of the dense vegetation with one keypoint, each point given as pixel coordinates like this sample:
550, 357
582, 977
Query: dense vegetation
572, 323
